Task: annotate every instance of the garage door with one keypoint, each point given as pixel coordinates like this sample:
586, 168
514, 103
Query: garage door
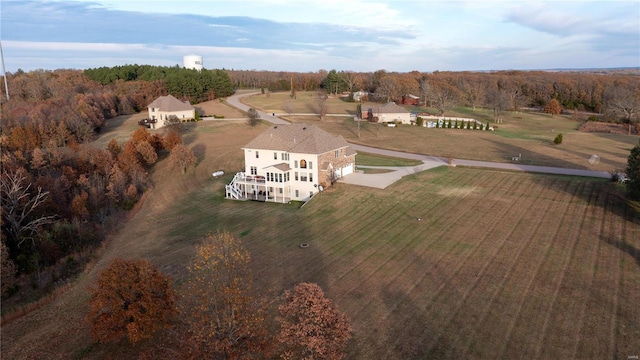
347, 170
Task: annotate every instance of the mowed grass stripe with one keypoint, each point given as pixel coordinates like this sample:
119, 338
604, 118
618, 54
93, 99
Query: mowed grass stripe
628, 319
590, 238
557, 309
505, 266
512, 295
532, 332
451, 299
594, 343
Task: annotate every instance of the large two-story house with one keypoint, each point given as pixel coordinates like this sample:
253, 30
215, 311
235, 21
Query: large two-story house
291, 162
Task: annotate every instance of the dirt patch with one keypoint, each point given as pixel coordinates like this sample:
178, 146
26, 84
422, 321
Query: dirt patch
609, 128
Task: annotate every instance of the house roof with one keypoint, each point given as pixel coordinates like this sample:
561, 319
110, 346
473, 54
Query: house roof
170, 104
297, 138
282, 167
388, 108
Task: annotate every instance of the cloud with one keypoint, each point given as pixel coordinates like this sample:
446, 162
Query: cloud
604, 27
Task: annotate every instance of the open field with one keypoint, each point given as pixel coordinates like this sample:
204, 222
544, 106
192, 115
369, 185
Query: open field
500, 265
529, 134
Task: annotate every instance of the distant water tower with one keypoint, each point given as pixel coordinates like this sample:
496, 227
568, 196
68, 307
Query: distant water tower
193, 62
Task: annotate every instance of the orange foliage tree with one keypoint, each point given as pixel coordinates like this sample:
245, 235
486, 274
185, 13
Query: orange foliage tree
130, 299
223, 317
311, 325
553, 107
181, 157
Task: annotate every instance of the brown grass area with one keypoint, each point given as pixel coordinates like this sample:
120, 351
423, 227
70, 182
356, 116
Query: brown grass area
501, 265
220, 108
529, 134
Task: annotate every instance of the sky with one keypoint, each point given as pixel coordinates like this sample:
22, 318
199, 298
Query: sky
312, 35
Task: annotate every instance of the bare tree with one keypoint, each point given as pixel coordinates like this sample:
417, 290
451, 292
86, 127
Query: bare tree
498, 101
18, 206
622, 102
288, 107
425, 89
443, 96
350, 78
323, 107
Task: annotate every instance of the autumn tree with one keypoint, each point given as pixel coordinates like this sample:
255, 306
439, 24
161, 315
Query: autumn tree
224, 318
553, 107
253, 117
633, 173
311, 325
130, 300
181, 157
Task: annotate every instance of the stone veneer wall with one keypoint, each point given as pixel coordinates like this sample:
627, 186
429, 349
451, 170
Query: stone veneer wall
341, 161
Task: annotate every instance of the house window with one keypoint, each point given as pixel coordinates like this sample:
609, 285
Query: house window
310, 164
310, 193
297, 193
337, 153
254, 170
280, 190
153, 109
310, 177
275, 156
303, 164
295, 164
258, 154
296, 176
303, 176
285, 156
279, 177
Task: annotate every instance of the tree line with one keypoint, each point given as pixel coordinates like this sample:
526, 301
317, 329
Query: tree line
189, 84
612, 96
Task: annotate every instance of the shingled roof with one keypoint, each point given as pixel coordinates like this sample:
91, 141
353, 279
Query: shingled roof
170, 104
297, 138
392, 108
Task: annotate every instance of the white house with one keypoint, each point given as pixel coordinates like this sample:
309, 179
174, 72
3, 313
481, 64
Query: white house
389, 112
166, 106
291, 162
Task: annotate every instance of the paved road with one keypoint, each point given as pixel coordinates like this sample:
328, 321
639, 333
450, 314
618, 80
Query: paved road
236, 100
428, 162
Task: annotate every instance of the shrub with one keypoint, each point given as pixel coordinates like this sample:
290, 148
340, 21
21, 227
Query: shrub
558, 139
475, 125
419, 121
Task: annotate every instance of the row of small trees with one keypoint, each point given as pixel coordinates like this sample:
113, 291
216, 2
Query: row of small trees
455, 124
217, 314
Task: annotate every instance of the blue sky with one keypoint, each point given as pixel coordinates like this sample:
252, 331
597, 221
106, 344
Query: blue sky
306, 36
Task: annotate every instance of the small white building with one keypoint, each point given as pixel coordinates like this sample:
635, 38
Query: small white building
291, 162
162, 108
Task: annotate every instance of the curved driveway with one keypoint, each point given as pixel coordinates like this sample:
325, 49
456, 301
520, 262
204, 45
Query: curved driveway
428, 162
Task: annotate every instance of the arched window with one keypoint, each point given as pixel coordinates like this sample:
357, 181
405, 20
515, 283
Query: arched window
303, 164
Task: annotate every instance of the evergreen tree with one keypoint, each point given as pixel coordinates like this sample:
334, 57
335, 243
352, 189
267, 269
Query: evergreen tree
633, 173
